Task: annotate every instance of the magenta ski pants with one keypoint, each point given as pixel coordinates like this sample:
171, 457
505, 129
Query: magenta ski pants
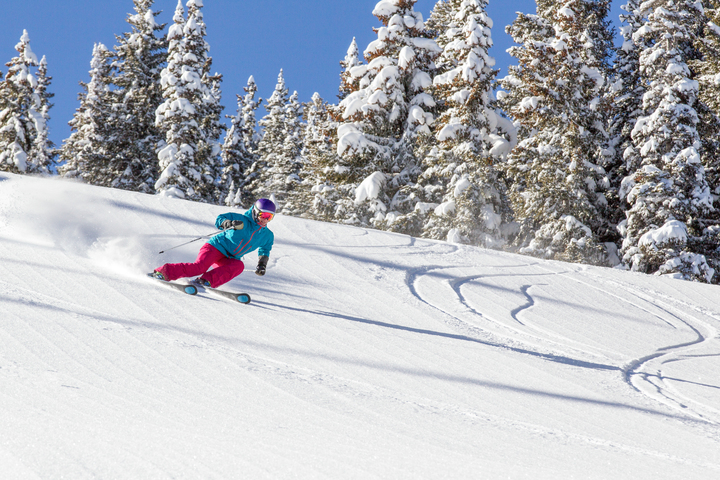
223, 270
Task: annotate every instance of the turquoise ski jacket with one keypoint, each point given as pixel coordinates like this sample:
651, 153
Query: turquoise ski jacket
236, 243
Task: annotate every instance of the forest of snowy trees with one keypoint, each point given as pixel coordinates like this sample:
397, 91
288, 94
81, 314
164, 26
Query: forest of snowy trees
583, 152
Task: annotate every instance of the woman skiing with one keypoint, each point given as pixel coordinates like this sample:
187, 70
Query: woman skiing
242, 233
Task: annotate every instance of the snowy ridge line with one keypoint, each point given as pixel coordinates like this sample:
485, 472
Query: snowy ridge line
642, 381
409, 249
474, 333
140, 206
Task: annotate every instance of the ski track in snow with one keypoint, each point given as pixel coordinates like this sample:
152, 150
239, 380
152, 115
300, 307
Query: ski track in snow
476, 333
645, 373
482, 419
642, 374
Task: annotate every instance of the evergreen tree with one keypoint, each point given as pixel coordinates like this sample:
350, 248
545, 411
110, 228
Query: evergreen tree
251, 137
137, 62
276, 173
24, 147
349, 83
386, 120
85, 153
557, 95
272, 125
668, 193
441, 18
707, 71
208, 104
329, 194
43, 151
213, 130
323, 182
467, 200
240, 146
189, 115
625, 95
289, 168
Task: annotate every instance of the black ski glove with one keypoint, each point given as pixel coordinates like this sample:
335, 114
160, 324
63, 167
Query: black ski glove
262, 265
234, 224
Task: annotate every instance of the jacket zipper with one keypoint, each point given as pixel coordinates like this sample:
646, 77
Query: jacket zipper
241, 247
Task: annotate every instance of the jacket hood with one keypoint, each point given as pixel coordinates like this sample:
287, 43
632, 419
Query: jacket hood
248, 213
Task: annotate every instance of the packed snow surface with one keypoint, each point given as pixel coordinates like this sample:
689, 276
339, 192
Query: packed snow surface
364, 354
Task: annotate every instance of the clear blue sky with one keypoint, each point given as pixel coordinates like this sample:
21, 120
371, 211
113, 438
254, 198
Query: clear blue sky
306, 38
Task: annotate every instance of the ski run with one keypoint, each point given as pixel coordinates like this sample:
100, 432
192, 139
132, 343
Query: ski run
363, 355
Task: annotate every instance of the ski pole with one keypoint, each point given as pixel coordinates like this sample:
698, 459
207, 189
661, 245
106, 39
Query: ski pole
191, 241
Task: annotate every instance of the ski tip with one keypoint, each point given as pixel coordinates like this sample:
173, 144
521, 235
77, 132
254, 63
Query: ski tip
190, 289
243, 298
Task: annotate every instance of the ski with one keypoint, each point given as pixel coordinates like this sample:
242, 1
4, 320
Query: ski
189, 289
238, 297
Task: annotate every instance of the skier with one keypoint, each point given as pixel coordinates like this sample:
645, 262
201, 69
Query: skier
242, 233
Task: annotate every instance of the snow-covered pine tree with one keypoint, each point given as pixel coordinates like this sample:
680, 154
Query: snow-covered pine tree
668, 192
213, 128
209, 108
24, 147
240, 147
384, 119
251, 137
331, 195
271, 139
625, 95
323, 173
137, 61
85, 153
273, 127
190, 158
289, 167
707, 71
276, 173
467, 199
441, 17
348, 82
43, 151
557, 96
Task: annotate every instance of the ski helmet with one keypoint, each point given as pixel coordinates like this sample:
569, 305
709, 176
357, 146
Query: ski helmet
263, 207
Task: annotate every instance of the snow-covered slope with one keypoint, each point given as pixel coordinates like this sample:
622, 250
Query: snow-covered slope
363, 355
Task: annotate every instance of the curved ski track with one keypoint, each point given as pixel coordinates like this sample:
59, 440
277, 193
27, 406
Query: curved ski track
643, 374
